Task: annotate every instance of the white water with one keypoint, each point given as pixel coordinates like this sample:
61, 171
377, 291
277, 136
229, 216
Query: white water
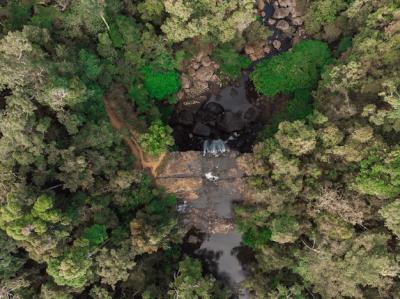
214, 147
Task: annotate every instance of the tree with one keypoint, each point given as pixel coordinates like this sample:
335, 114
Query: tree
296, 137
391, 214
157, 140
190, 283
220, 20
298, 68
160, 85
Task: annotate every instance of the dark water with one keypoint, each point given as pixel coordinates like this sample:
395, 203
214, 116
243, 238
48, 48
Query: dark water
219, 254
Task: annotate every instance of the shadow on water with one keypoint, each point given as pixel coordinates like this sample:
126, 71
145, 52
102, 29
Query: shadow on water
222, 255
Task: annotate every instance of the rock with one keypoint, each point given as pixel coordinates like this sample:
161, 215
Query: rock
283, 25
298, 21
267, 50
260, 5
195, 65
206, 61
193, 239
198, 88
250, 114
204, 73
281, 13
249, 50
299, 8
287, 3
191, 71
186, 118
263, 14
277, 44
271, 22
214, 108
231, 122
201, 130
186, 83
185, 188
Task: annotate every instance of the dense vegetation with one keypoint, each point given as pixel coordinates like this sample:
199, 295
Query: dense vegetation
77, 220
324, 219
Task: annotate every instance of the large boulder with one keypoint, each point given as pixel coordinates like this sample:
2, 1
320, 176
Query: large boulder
231, 122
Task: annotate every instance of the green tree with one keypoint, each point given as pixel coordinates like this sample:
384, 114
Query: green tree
298, 68
157, 140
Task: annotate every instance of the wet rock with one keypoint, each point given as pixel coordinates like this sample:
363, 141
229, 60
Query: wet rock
201, 130
281, 13
204, 73
250, 115
283, 25
277, 44
214, 108
186, 118
231, 122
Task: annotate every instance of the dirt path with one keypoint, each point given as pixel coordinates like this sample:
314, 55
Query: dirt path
131, 138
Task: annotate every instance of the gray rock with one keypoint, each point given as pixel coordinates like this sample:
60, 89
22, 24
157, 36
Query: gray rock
231, 122
201, 130
186, 118
281, 13
204, 73
214, 108
283, 25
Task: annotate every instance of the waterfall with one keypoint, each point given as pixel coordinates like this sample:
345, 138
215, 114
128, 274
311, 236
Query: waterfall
214, 147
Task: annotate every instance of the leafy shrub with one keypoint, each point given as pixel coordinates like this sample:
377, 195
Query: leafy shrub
297, 69
345, 44
380, 176
231, 63
322, 12
157, 139
161, 84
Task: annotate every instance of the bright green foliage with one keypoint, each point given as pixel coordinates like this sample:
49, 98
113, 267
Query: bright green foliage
231, 63
391, 213
157, 139
296, 137
380, 175
285, 229
95, 234
160, 85
190, 283
323, 12
298, 68
203, 18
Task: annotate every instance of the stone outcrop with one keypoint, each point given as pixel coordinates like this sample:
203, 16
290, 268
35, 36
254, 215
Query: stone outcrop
206, 186
196, 78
